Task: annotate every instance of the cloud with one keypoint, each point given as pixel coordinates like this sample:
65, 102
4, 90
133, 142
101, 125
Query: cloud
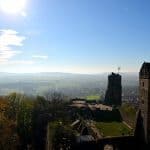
18, 62
8, 40
40, 56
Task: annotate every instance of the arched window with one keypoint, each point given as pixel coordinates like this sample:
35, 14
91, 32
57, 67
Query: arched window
143, 84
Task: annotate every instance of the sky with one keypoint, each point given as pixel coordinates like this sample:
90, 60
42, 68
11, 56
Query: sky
75, 36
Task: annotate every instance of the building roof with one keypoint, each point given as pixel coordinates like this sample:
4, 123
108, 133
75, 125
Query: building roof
85, 138
75, 123
145, 70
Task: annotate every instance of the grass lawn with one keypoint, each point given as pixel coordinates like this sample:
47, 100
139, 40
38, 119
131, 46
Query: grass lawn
93, 97
113, 129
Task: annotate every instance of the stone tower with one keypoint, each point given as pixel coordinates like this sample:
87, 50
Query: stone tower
144, 99
114, 90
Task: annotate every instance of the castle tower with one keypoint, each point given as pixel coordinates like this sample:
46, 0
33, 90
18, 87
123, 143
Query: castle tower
144, 100
114, 90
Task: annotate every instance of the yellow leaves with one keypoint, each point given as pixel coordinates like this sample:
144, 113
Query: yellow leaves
7, 127
3, 103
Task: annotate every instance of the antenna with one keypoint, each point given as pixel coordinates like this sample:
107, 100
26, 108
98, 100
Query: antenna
119, 68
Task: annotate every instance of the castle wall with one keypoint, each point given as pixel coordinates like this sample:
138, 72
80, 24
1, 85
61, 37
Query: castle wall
144, 97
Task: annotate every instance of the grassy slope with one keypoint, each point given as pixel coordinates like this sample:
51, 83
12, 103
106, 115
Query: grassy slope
128, 113
113, 128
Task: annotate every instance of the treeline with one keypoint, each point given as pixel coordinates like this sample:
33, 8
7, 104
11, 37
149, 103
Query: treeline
24, 119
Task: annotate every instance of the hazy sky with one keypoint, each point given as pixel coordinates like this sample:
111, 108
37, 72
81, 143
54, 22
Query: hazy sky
82, 36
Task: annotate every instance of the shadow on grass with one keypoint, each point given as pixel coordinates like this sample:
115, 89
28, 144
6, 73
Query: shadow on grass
107, 116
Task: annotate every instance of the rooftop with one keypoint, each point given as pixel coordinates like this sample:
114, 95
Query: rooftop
145, 70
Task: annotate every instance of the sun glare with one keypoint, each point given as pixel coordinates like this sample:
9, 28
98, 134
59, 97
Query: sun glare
12, 6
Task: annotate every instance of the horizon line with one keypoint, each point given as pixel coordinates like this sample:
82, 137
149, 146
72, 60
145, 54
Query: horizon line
68, 72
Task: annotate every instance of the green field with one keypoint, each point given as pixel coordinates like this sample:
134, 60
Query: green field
113, 129
93, 97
